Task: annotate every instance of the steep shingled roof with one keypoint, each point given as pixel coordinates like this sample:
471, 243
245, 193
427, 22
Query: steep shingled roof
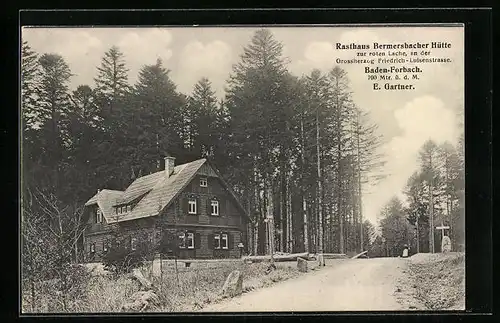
140, 186
157, 190
164, 191
105, 199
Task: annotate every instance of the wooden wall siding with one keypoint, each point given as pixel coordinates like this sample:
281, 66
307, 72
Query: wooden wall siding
207, 170
214, 185
203, 247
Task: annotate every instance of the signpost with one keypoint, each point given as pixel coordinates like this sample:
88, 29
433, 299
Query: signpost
442, 228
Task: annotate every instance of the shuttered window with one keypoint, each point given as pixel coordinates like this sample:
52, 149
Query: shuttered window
224, 241
186, 240
190, 240
181, 239
214, 207
216, 241
192, 206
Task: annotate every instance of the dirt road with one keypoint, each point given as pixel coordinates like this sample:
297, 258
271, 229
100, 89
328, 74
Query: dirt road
343, 285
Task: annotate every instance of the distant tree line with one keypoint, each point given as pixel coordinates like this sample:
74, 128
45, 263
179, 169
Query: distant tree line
434, 197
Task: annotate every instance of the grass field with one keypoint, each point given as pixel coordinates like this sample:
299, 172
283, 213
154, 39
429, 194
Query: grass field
192, 288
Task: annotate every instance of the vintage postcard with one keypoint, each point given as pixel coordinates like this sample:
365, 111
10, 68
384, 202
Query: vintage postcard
242, 169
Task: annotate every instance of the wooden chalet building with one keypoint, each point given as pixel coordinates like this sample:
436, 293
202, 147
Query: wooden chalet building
196, 205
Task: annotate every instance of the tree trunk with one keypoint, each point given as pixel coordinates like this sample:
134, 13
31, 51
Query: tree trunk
431, 206
320, 192
339, 174
360, 199
291, 240
304, 203
282, 227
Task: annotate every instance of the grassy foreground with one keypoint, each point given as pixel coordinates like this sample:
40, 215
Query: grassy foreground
439, 280
194, 288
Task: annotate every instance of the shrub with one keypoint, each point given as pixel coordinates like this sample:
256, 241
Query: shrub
122, 258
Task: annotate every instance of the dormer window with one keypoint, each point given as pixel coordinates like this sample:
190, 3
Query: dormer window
98, 216
203, 182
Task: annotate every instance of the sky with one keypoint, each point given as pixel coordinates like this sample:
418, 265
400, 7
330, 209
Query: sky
406, 119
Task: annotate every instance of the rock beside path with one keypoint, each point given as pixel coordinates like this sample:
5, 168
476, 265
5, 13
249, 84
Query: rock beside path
140, 301
302, 265
233, 285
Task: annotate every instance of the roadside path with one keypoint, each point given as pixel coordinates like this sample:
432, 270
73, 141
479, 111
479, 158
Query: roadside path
347, 285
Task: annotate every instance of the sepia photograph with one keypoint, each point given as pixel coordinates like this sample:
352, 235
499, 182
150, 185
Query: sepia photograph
242, 169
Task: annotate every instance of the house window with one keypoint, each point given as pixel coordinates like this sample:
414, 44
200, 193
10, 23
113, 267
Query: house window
203, 182
133, 243
190, 240
217, 241
182, 238
105, 246
186, 240
224, 243
129, 208
214, 207
192, 206
98, 215
92, 247
119, 210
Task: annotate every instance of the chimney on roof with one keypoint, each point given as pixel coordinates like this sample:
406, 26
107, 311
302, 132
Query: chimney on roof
169, 165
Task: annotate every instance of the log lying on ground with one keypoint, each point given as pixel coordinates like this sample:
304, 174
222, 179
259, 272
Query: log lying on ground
359, 254
335, 256
277, 258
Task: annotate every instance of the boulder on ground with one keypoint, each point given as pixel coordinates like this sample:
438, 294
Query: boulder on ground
321, 260
139, 301
137, 275
233, 285
302, 265
446, 244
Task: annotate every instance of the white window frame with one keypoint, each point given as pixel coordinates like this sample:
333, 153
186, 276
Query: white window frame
182, 237
133, 244
203, 182
214, 205
217, 237
98, 215
187, 236
224, 236
192, 207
